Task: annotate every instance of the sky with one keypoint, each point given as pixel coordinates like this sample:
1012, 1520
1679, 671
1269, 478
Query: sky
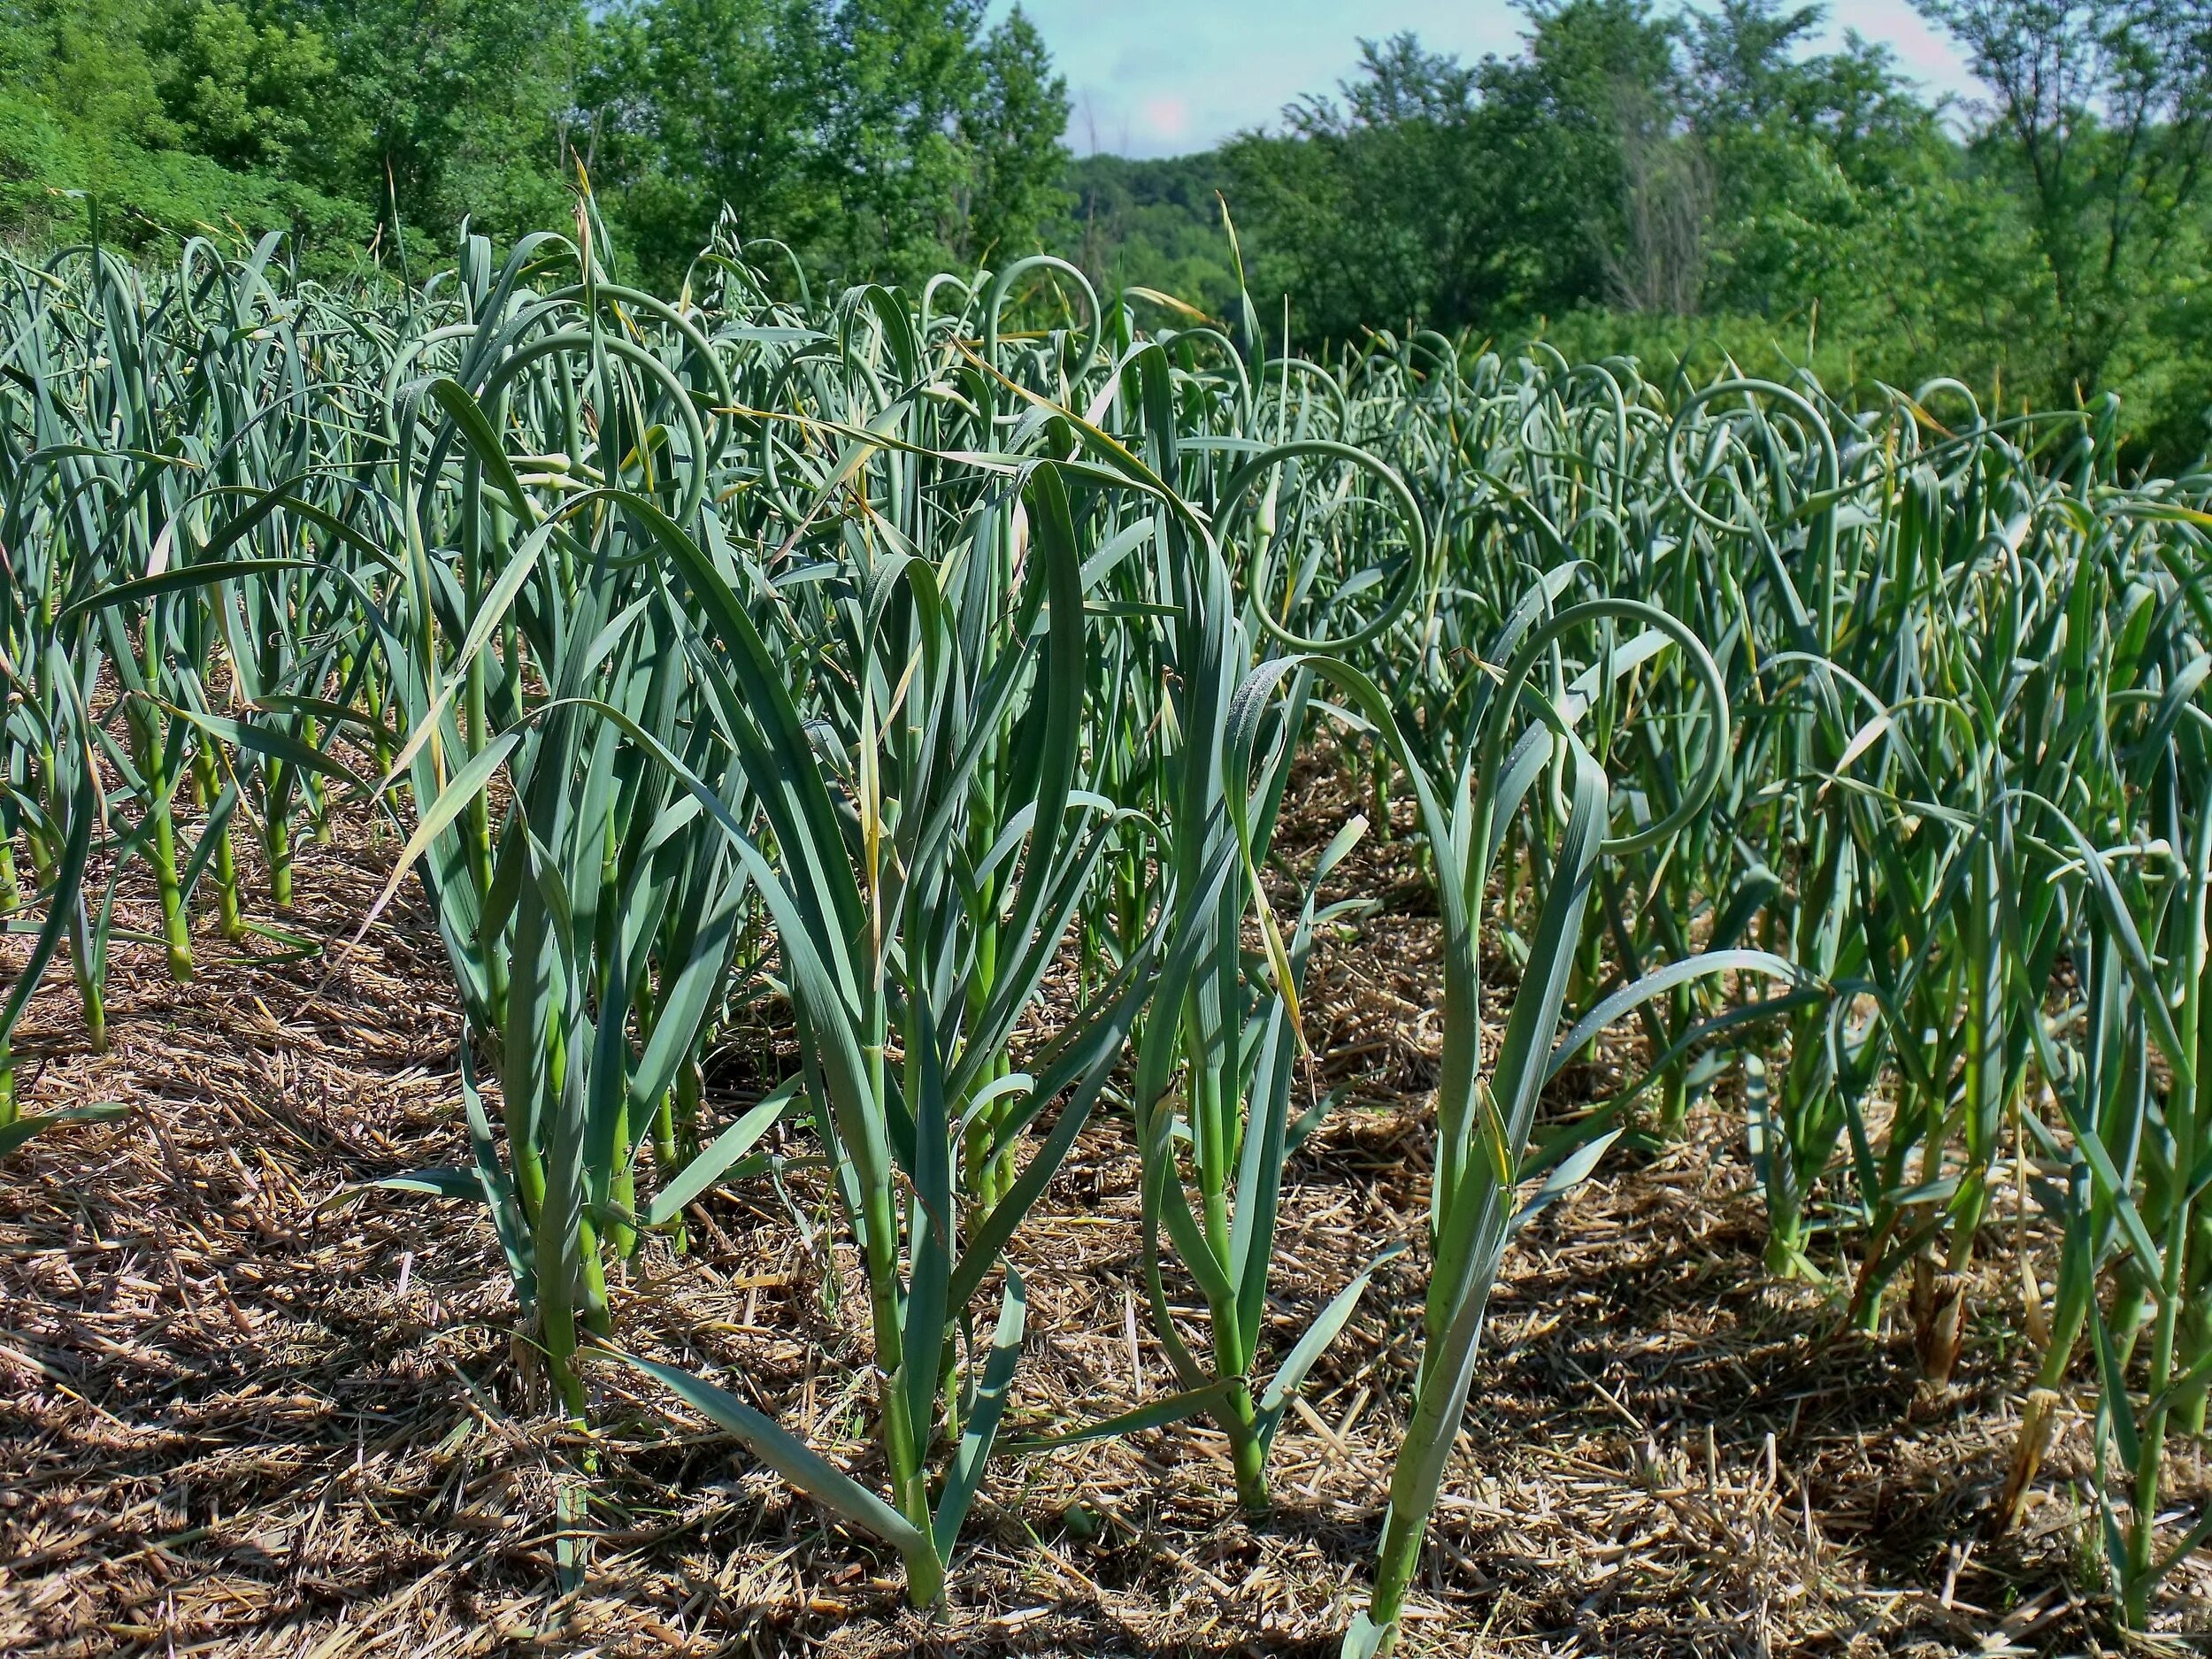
1167, 77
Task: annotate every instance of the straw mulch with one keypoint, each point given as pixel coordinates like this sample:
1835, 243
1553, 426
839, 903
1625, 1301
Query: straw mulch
245, 1410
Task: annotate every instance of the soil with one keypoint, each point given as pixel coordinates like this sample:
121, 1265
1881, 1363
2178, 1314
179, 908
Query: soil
249, 1406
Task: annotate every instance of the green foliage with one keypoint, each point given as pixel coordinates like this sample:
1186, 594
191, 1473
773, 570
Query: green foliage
1709, 174
2100, 131
1634, 172
1152, 223
242, 92
141, 104
51, 172
872, 137
1369, 214
452, 108
1012, 130
690, 104
875, 139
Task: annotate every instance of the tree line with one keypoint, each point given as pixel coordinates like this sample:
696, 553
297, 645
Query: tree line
1683, 181
877, 136
1665, 179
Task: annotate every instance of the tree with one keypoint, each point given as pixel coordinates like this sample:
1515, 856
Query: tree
253, 92
1837, 187
1013, 131
891, 157
108, 102
1366, 212
463, 104
1598, 79
86, 60
2101, 113
1743, 63
877, 138
1152, 223
690, 105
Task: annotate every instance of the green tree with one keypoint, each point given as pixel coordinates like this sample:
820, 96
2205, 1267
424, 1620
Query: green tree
1582, 129
877, 138
1012, 128
87, 59
1151, 223
691, 104
1368, 209
1429, 190
1841, 203
2100, 120
465, 106
1652, 176
253, 92
103, 102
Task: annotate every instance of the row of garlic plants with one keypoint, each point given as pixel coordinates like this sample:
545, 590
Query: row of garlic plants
893, 655
1967, 798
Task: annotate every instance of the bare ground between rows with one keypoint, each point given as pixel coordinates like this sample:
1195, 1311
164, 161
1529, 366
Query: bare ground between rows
237, 1419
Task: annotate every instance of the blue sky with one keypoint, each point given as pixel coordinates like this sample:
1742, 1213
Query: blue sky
1164, 77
